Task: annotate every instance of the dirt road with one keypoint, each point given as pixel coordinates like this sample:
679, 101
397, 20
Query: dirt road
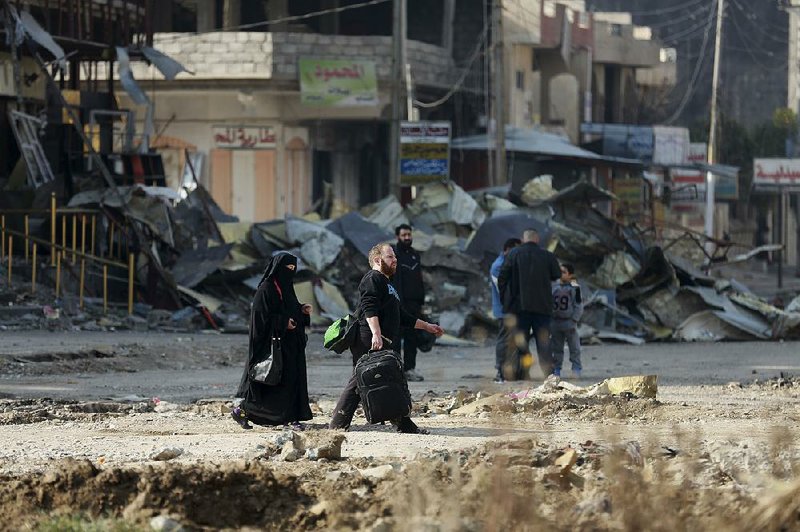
118, 399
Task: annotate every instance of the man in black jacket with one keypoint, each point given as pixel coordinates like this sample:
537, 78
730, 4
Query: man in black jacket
408, 282
380, 317
525, 284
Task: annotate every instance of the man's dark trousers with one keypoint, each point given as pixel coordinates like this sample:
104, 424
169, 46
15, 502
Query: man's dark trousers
502, 347
409, 337
537, 326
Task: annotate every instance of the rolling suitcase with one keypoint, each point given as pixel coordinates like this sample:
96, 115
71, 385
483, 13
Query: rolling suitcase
382, 386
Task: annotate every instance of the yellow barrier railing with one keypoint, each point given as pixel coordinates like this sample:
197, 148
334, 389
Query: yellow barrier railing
75, 248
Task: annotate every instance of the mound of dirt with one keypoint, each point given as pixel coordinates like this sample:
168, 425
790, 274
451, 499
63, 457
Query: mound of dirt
215, 496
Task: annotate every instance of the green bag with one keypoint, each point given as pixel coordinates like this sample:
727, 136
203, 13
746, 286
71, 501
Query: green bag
341, 334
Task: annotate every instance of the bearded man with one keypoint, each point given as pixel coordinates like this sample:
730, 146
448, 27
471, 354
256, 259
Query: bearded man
411, 290
380, 316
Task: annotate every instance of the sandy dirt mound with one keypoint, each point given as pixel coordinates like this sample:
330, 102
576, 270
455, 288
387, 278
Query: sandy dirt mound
516, 485
213, 496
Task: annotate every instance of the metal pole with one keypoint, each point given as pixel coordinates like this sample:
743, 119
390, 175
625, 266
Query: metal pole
130, 283
94, 229
74, 237
27, 242
80, 288
83, 234
398, 39
105, 288
63, 232
33, 271
2, 237
712, 133
10, 257
498, 62
58, 273
52, 228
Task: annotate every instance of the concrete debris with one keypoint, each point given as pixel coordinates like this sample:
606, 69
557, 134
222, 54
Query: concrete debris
494, 403
162, 523
616, 270
387, 213
377, 472
538, 189
319, 246
206, 264
329, 450
644, 386
166, 454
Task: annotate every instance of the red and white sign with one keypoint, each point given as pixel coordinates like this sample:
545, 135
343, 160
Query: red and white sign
776, 172
698, 153
244, 137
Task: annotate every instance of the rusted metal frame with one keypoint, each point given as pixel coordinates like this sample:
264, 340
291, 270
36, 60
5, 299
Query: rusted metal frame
76, 122
66, 249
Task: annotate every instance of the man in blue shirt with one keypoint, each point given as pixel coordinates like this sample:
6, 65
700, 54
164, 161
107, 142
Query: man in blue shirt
501, 347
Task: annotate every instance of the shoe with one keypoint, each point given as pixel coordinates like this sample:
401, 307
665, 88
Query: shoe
240, 417
413, 376
406, 426
557, 372
576, 374
499, 379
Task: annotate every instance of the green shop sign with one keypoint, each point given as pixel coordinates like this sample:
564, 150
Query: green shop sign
338, 83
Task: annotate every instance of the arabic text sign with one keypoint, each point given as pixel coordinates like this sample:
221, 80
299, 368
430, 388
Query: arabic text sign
424, 152
338, 83
244, 137
776, 172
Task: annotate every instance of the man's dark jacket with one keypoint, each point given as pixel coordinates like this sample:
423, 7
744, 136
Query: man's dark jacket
525, 280
408, 277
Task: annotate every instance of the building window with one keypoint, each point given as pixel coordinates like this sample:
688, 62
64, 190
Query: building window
669, 55
520, 80
615, 30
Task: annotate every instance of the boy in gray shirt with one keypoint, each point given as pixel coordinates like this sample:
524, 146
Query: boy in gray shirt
567, 311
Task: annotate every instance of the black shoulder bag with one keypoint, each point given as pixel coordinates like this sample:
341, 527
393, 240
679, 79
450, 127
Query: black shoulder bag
269, 370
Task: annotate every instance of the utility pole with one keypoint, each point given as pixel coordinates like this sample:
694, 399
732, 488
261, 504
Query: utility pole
498, 73
712, 134
397, 82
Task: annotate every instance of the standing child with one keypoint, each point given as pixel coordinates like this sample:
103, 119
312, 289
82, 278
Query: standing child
567, 310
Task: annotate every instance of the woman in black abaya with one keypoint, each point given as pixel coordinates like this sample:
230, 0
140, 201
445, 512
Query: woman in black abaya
276, 311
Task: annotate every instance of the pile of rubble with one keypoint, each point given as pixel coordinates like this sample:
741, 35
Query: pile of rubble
640, 284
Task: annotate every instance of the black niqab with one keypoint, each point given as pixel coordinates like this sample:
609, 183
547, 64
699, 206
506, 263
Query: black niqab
277, 271
275, 302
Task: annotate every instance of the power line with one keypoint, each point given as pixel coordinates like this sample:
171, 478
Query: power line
750, 48
688, 33
693, 81
699, 14
282, 20
755, 25
460, 81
